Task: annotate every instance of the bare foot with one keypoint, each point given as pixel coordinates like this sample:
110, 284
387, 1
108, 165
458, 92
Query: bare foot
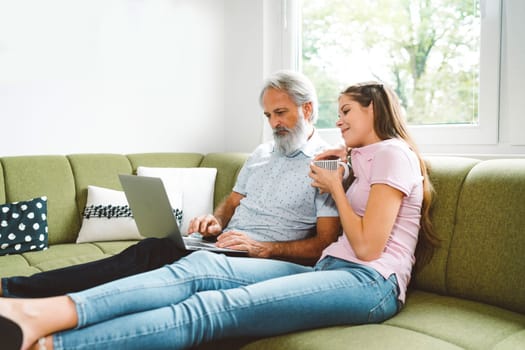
23, 315
40, 317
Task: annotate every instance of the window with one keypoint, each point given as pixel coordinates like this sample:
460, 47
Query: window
440, 56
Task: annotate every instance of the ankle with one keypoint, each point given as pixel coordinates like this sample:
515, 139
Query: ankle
44, 343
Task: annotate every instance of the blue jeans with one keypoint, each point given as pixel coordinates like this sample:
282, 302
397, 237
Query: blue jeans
208, 296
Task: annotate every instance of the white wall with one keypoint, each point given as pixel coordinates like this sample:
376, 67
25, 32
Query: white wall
513, 73
257, 43
82, 76
243, 67
168, 75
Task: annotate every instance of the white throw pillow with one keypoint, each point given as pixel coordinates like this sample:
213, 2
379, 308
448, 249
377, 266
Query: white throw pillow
197, 186
107, 216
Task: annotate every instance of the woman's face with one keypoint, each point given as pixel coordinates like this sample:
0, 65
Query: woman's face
356, 123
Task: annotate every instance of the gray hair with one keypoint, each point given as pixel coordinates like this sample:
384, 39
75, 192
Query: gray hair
296, 85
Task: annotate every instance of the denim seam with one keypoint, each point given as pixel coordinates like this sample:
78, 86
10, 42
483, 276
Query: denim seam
259, 303
391, 293
57, 342
80, 301
99, 341
173, 325
339, 285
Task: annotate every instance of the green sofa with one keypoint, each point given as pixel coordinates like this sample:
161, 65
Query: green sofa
470, 296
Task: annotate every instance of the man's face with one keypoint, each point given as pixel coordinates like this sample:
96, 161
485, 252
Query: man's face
280, 109
288, 122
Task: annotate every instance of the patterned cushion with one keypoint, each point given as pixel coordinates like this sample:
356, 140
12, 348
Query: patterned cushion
23, 226
108, 217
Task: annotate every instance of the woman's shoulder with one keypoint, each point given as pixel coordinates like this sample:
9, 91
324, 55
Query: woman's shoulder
395, 161
395, 150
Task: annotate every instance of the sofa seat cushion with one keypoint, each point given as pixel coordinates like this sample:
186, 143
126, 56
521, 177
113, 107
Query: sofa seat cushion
515, 341
16, 265
373, 336
59, 255
427, 321
468, 324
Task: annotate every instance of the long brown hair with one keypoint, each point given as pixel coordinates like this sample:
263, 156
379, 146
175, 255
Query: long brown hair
389, 124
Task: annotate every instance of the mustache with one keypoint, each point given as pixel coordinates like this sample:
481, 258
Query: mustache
279, 129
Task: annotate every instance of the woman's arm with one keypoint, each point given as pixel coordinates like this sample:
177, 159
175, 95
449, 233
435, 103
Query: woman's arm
368, 234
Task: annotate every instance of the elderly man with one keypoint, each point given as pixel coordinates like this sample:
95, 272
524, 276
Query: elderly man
272, 212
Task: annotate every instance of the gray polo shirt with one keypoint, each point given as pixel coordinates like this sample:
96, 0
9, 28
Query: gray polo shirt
280, 203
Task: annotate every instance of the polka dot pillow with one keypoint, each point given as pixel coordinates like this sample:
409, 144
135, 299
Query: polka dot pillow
23, 226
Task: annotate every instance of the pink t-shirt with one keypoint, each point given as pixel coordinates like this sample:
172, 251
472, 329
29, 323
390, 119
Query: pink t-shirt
393, 163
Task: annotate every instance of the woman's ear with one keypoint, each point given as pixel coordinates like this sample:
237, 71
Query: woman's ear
370, 109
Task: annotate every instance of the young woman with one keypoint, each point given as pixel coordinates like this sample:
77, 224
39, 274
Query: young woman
361, 278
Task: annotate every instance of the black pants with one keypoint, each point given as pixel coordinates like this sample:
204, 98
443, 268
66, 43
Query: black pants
148, 254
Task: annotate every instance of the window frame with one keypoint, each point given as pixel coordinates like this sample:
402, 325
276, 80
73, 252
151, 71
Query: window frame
486, 132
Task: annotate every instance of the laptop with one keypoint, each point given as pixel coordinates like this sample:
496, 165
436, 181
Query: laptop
154, 215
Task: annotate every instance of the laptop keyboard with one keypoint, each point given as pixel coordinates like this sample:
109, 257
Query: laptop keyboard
197, 242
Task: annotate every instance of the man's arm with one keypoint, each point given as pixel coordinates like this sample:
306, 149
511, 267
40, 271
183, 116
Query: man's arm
305, 251
212, 225
225, 210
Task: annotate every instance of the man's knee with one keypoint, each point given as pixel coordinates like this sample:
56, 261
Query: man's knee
153, 252
154, 246
151, 243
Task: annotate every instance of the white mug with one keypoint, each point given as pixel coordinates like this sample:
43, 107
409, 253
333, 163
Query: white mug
330, 164
333, 164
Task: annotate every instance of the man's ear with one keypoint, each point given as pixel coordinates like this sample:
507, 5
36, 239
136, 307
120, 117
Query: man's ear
307, 110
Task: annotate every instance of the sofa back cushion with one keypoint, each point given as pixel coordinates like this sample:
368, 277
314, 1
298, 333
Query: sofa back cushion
64, 180
486, 259
96, 170
228, 166
2, 184
447, 175
165, 160
51, 176
479, 214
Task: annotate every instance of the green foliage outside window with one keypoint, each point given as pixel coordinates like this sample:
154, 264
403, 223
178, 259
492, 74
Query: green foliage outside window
426, 50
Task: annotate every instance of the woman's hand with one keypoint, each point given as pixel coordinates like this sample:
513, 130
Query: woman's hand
327, 181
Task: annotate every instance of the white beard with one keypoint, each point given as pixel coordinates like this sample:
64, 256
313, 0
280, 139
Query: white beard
294, 139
